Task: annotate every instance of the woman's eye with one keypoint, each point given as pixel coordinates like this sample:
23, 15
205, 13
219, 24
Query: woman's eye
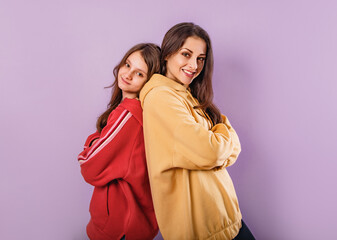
186, 54
127, 65
201, 59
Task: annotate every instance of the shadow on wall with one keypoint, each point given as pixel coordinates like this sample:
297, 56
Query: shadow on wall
237, 91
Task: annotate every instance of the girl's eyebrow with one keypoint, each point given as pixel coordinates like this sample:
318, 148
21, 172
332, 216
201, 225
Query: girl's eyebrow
203, 54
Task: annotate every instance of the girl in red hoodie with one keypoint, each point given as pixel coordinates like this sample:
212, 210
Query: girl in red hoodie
113, 159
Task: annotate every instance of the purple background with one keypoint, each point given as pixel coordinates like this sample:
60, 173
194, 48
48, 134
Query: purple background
275, 78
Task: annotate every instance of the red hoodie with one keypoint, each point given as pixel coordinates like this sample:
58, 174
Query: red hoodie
115, 164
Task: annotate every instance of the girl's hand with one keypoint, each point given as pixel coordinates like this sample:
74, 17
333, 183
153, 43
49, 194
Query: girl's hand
92, 143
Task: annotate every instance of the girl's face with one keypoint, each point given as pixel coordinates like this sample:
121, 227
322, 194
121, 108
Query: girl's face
187, 63
132, 75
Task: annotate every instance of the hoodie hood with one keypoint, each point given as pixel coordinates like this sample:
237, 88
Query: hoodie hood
133, 106
158, 80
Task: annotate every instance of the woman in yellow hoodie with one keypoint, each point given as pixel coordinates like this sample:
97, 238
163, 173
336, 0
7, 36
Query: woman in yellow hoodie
189, 144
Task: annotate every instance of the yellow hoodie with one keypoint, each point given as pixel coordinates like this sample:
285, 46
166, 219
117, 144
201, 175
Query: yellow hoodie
193, 194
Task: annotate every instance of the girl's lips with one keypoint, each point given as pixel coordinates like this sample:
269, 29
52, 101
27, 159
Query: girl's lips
125, 81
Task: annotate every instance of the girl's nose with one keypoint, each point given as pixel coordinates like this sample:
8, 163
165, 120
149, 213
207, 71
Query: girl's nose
128, 75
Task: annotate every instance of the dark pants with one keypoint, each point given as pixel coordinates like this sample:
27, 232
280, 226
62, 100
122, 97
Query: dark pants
244, 233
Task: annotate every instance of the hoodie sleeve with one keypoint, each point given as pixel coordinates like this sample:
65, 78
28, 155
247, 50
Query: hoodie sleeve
194, 147
108, 157
235, 139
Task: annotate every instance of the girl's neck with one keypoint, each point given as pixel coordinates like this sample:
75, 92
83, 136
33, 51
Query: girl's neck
129, 95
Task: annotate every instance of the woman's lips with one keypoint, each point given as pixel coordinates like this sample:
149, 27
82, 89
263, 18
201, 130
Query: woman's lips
188, 73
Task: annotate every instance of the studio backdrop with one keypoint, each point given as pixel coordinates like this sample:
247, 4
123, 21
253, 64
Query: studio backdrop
274, 77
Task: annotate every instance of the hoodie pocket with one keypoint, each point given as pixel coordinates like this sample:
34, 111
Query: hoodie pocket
99, 209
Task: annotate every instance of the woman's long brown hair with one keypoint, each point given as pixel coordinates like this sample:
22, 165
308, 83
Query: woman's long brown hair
201, 86
151, 54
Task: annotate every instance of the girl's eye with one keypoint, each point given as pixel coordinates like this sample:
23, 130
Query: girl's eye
127, 65
140, 74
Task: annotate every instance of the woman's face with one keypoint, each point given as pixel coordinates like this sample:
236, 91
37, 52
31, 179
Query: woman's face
187, 63
132, 75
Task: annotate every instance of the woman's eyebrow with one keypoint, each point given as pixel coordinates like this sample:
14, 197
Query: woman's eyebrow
187, 50
203, 54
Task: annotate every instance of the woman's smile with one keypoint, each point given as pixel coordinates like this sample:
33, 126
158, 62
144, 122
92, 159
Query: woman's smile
189, 74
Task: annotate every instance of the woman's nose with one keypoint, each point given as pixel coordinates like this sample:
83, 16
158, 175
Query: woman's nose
193, 64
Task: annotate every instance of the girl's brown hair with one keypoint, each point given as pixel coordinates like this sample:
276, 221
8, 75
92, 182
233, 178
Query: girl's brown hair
201, 86
151, 54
